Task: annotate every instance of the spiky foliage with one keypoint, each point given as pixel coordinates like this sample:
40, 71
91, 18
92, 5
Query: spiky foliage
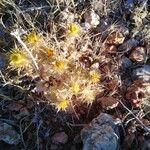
64, 76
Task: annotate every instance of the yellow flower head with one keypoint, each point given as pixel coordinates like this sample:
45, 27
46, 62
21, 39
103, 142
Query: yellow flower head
75, 87
60, 65
18, 59
94, 76
63, 105
33, 38
74, 29
50, 52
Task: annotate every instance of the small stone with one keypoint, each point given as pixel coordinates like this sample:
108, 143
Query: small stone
95, 65
142, 72
112, 85
136, 93
100, 6
85, 26
138, 55
101, 134
8, 134
115, 38
126, 62
123, 29
60, 138
66, 16
128, 45
92, 18
129, 4
108, 103
104, 28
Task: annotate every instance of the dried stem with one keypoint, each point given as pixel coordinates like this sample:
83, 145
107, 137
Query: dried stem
146, 128
17, 36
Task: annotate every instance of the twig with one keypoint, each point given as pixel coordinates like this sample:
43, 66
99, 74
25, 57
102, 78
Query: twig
37, 134
10, 122
1, 74
27, 127
144, 5
21, 132
35, 8
77, 125
89, 111
75, 111
146, 128
8, 98
17, 36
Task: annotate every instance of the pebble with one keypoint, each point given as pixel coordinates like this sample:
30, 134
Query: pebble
142, 72
91, 18
126, 62
60, 138
8, 134
138, 55
115, 38
129, 4
66, 16
108, 103
128, 45
101, 134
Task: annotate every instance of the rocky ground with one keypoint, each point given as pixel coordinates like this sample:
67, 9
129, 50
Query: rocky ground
115, 40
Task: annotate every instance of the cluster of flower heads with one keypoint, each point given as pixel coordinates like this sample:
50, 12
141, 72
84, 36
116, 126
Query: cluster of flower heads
64, 79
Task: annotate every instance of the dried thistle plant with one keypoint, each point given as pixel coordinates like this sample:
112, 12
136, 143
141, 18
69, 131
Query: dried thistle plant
67, 59
64, 78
